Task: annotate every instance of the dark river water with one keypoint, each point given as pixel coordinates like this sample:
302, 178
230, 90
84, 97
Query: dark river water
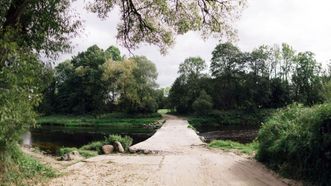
50, 138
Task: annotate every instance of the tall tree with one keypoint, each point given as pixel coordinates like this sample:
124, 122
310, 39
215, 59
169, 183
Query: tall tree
157, 22
306, 79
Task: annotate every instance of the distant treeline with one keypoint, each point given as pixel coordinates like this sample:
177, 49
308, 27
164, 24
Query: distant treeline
97, 81
267, 77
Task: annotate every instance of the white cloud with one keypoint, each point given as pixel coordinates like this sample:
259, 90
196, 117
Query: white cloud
303, 24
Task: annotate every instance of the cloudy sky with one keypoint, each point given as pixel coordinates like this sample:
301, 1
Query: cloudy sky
304, 24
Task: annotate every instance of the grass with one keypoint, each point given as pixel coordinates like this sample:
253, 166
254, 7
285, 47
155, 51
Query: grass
228, 145
94, 148
163, 111
17, 168
111, 119
82, 152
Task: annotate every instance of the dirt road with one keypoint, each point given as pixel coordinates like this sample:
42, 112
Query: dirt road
182, 160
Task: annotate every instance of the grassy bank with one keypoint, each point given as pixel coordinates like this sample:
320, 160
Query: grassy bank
112, 119
17, 168
228, 145
217, 120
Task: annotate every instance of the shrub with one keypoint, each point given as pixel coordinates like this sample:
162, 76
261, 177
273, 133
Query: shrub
82, 152
203, 104
65, 150
87, 153
297, 142
126, 141
94, 146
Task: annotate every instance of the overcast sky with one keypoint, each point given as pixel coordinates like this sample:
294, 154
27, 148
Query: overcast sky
304, 24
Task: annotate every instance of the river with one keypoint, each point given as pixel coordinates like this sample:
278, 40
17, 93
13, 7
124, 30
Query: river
50, 138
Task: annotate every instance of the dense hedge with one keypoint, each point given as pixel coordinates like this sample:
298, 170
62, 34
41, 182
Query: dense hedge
217, 120
296, 141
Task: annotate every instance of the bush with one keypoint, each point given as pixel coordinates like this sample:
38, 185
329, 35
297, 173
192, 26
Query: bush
94, 146
203, 104
297, 142
126, 141
87, 153
82, 152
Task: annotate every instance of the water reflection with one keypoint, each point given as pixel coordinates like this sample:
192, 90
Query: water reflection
50, 138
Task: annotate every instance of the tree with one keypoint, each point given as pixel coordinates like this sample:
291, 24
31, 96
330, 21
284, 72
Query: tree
39, 26
306, 79
187, 87
226, 60
113, 53
192, 68
21, 84
227, 65
131, 84
157, 22
203, 104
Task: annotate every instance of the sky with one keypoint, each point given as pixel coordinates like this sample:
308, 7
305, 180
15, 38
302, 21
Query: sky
304, 24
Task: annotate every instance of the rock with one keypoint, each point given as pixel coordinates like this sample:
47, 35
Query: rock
132, 150
118, 147
147, 151
107, 149
74, 155
202, 138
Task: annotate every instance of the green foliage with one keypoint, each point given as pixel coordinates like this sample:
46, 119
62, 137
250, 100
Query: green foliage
87, 153
112, 119
19, 169
94, 146
163, 111
296, 141
217, 120
25, 17
203, 104
97, 81
187, 86
157, 22
250, 148
267, 77
83, 152
126, 141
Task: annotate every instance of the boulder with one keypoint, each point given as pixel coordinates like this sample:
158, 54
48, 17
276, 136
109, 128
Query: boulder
118, 147
107, 149
74, 155
132, 150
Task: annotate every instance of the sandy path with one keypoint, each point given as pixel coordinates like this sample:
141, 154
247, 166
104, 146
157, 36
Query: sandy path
182, 160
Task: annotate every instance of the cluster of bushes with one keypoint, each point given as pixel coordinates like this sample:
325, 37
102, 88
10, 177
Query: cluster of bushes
216, 120
296, 141
95, 148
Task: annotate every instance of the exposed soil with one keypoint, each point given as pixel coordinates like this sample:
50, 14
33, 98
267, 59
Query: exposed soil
182, 159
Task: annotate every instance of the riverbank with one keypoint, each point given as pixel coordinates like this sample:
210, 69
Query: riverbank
110, 119
56, 131
182, 159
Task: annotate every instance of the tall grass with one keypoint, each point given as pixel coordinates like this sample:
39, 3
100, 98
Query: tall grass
17, 168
